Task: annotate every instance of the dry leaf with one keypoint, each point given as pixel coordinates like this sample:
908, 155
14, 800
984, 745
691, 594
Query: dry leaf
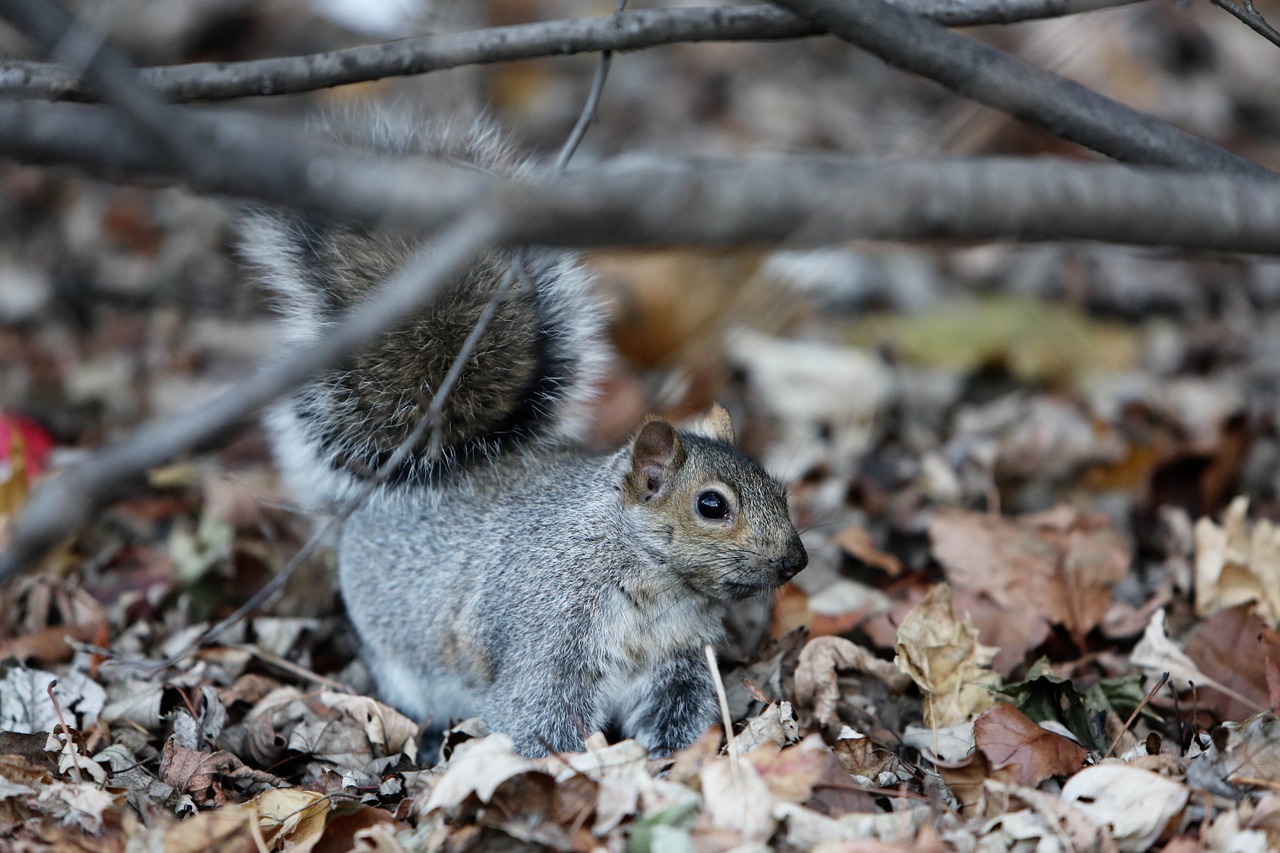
856, 542
1234, 645
1010, 740
1137, 805
478, 767
1156, 653
201, 774
1241, 755
791, 773
1059, 565
816, 681
80, 805
620, 771
735, 797
1235, 565
291, 817
945, 659
775, 725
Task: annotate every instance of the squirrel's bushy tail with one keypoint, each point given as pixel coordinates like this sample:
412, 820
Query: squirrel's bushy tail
528, 379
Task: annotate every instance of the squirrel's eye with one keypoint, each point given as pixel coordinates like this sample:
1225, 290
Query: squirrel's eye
713, 505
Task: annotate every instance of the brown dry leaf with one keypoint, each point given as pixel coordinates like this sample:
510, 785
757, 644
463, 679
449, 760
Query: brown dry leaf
965, 779
1271, 666
38, 614
775, 725
347, 731
1233, 646
367, 829
387, 730
1156, 653
816, 681
1235, 565
201, 774
620, 772
856, 542
1014, 633
1137, 805
1010, 740
791, 773
1058, 564
945, 659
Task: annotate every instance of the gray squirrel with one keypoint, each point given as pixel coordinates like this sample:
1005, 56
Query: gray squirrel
514, 576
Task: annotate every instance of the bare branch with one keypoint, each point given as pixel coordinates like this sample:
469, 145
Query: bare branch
629, 31
693, 202
990, 76
1251, 18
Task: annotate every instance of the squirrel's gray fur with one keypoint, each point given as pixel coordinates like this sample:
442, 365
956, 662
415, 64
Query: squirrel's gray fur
551, 591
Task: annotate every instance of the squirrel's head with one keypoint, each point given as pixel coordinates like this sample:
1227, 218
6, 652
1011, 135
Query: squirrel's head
707, 512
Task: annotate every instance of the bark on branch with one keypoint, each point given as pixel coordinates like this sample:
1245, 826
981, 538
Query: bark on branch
707, 202
627, 31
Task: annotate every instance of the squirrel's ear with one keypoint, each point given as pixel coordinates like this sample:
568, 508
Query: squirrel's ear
656, 454
715, 424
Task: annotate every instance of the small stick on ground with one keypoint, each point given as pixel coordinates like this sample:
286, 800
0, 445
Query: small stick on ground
1129, 722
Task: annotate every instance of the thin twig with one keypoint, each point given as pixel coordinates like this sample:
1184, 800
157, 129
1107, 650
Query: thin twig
632, 31
69, 746
593, 101
1129, 722
735, 762
1250, 17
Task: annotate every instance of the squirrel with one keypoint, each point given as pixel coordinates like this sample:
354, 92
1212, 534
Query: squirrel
514, 575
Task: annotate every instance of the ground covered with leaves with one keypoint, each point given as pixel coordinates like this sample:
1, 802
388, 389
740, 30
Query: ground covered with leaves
1039, 486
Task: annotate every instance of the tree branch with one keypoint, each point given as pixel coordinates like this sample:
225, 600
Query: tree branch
997, 79
1250, 17
628, 31
708, 202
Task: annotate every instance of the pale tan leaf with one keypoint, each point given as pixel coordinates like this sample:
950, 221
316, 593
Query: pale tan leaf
944, 658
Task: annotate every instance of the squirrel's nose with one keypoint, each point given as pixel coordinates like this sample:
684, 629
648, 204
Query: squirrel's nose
795, 559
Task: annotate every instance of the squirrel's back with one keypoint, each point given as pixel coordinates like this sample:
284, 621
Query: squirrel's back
527, 380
